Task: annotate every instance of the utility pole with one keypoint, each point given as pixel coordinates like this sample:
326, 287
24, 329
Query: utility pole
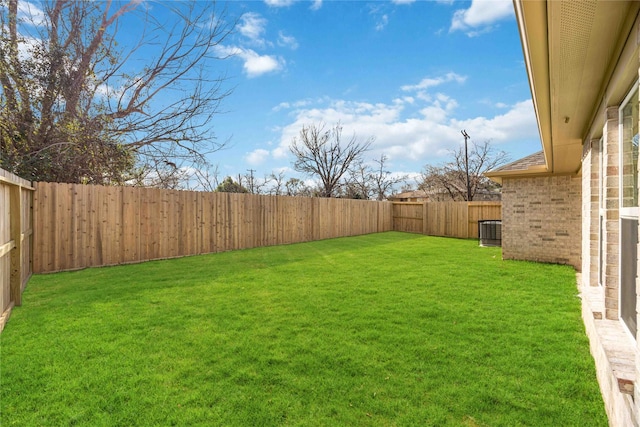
466, 163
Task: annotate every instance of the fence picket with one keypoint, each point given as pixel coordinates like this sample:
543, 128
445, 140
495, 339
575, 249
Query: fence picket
446, 219
79, 226
16, 241
86, 225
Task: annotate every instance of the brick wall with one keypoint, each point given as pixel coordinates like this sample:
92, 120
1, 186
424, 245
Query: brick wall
590, 211
541, 219
611, 237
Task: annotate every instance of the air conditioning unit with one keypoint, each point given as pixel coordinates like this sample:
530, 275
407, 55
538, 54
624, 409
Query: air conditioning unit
490, 233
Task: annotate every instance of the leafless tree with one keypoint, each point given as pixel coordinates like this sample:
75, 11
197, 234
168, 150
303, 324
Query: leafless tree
205, 178
79, 103
278, 186
372, 182
168, 176
322, 153
358, 181
297, 187
449, 181
253, 184
406, 186
384, 182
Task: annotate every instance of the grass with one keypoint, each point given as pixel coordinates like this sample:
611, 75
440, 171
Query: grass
379, 330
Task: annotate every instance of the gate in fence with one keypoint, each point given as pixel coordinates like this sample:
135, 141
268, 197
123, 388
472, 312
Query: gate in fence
16, 240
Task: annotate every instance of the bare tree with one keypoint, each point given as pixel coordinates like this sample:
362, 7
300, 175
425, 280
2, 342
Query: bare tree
206, 178
449, 181
358, 182
168, 176
384, 182
79, 103
253, 184
278, 187
372, 182
323, 154
297, 187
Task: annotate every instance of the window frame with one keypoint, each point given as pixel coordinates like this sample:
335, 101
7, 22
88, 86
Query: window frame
630, 212
625, 211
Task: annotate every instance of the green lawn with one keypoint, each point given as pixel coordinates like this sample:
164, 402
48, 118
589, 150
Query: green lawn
390, 329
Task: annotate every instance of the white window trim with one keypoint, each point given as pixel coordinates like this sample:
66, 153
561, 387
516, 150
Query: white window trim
601, 209
629, 212
626, 212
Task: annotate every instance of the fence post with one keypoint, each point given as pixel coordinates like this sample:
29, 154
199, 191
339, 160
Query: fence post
15, 216
424, 218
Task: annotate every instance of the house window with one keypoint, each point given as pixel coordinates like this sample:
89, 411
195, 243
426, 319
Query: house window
628, 272
629, 152
628, 127
601, 211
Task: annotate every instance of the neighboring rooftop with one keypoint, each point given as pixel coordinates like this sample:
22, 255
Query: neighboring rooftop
481, 195
410, 196
525, 163
532, 164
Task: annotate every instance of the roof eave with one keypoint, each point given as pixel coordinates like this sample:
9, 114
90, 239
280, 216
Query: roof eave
532, 22
533, 171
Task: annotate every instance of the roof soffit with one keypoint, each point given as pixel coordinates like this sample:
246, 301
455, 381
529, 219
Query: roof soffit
570, 66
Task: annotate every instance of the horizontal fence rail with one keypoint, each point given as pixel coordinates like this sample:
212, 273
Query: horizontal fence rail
446, 219
78, 226
16, 201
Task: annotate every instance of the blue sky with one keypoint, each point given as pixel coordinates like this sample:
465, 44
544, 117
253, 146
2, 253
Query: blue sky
411, 74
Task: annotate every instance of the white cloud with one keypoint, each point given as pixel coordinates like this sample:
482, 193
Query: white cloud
283, 169
517, 123
104, 90
417, 133
257, 157
428, 82
403, 1
382, 23
252, 26
404, 99
254, 64
316, 5
281, 106
480, 16
377, 11
287, 41
30, 14
279, 3
288, 105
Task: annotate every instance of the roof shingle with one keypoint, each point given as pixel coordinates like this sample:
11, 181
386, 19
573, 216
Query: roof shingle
535, 159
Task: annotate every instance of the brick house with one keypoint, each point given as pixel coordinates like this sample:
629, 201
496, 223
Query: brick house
576, 202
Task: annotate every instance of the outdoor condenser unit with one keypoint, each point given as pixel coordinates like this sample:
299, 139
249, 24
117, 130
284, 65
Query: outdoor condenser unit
490, 233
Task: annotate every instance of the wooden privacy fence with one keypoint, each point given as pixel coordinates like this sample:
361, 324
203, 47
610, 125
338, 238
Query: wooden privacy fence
70, 226
16, 201
447, 219
79, 226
